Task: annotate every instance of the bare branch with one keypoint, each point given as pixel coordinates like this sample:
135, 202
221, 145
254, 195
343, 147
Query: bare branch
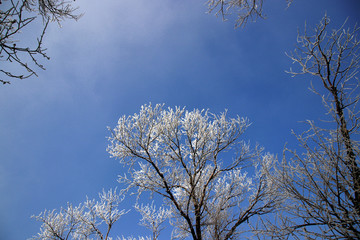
321, 181
15, 17
244, 9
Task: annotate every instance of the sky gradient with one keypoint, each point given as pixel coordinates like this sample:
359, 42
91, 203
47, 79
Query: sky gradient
123, 54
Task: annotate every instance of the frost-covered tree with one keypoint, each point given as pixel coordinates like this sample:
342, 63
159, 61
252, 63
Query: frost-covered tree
321, 179
90, 220
16, 16
212, 182
153, 218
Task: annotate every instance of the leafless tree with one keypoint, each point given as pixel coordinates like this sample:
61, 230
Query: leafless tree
153, 218
85, 221
19, 15
321, 180
197, 163
244, 10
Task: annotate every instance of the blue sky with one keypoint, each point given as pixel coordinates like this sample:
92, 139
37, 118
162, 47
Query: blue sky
123, 54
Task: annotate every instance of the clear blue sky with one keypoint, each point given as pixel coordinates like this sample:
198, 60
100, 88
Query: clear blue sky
122, 54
